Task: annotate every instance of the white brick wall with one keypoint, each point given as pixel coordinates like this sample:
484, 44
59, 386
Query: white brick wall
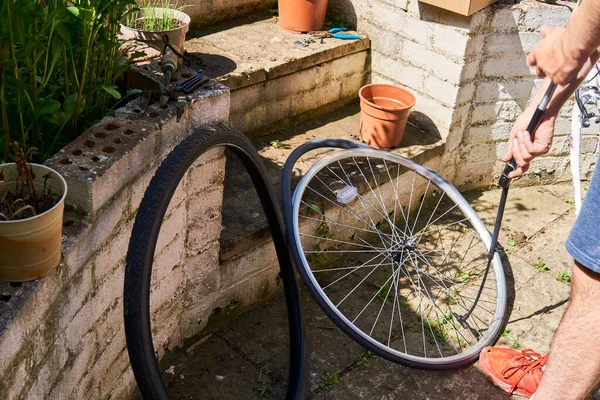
504, 86
276, 102
469, 74
68, 339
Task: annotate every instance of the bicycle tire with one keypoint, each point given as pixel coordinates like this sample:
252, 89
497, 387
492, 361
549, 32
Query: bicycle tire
143, 241
291, 209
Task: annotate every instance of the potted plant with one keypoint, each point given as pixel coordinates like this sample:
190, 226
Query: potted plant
156, 23
31, 216
302, 15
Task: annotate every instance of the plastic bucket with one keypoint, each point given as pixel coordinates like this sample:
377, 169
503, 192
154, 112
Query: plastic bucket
302, 15
30, 248
384, 110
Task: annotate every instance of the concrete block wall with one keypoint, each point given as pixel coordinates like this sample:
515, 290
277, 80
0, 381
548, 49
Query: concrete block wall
64, 335
416, 46
470, 77
279, 102
503, 85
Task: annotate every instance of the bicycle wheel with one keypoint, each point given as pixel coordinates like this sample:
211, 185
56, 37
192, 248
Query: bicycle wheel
145, 233
393, 253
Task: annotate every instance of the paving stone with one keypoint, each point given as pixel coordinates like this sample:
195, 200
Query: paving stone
215, 372
549, 246
527, 211
259, 338
385, 380
251, 53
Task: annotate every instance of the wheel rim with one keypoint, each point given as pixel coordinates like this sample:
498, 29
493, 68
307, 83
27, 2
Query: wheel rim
401, 283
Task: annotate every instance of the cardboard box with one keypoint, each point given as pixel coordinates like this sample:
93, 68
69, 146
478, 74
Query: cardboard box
464, 7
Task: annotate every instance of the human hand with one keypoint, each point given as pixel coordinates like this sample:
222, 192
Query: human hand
556, 58
520, 145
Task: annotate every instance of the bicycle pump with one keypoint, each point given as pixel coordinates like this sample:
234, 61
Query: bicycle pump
504, 183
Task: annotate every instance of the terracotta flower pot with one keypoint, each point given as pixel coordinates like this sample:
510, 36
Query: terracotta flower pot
30, 248
384, 110
155, 39
302, 15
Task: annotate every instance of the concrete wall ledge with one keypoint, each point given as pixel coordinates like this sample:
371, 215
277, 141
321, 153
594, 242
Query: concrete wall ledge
62, 336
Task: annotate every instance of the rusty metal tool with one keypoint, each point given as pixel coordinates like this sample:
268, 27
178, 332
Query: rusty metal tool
168, 66
190, 84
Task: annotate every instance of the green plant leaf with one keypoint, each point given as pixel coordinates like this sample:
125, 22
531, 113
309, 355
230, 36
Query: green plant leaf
69, 105
74, 10
133, 92
137, 54
63, 32
48, 106
563, 277
542, 267
511, 243
315, 207
112, 91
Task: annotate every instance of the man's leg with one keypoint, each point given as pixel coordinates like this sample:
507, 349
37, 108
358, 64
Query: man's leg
574, 364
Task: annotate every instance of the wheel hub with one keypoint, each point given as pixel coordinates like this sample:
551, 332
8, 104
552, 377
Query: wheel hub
407, 245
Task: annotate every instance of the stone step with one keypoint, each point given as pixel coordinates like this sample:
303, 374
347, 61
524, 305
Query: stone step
278, 78
244, 224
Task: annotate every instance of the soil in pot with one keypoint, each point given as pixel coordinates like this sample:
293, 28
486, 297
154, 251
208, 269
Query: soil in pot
302, 15
31, 247
384, 111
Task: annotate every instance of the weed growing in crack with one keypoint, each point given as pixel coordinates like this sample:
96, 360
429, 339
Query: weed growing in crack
508, 336
563, 277
264, 390
542, 267
323, 230
465, 276
329, 380
365, 360
383, 289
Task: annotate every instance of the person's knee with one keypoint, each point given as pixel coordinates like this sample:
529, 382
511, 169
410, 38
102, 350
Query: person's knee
585, 284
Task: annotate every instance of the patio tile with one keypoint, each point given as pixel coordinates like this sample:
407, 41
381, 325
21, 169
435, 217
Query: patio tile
527, 211
385, 380
258, 339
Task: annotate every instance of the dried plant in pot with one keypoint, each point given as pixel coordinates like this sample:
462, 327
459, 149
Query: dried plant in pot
156, 21
31, 216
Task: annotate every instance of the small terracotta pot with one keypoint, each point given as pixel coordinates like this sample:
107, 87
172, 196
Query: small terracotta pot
302, 15
384, 110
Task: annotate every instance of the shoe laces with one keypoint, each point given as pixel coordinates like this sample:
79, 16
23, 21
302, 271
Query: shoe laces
522, 364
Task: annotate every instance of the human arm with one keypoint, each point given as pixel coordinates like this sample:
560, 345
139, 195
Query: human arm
520, 146
563, 51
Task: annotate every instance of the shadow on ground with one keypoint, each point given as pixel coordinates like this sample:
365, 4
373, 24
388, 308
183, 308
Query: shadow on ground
251, 355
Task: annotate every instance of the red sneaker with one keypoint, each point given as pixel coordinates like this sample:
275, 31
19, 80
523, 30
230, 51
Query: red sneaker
515, 371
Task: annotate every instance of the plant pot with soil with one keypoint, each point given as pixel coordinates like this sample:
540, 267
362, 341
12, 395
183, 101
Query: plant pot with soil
31, 216
157, 25
384, 111
302, 15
